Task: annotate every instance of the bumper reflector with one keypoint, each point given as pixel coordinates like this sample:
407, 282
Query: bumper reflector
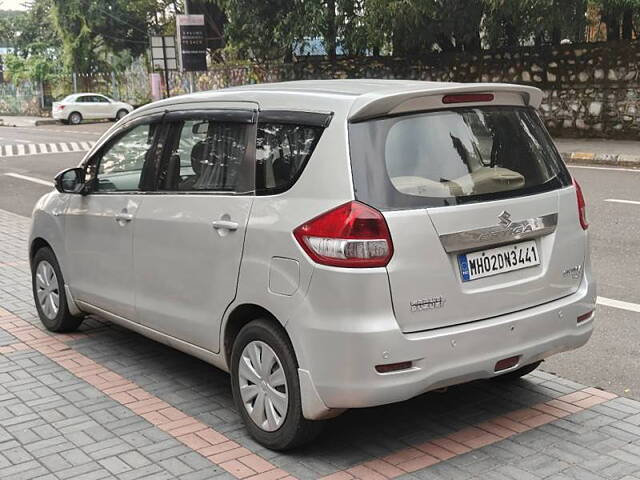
507, 363
393, 367
585, 317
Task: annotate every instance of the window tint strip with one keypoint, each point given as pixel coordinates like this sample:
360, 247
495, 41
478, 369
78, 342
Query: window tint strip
310, 119
219, 115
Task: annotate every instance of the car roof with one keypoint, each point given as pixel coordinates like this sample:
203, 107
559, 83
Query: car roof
351, 87
362, 98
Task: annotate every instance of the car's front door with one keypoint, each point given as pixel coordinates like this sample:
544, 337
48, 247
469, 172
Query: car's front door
189, 234
103, 107
99, 224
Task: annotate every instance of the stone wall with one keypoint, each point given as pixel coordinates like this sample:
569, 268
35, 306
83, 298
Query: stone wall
591, 90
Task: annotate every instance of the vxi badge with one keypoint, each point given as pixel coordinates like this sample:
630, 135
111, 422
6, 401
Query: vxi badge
427, 304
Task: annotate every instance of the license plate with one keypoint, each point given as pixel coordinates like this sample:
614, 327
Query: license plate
498, 260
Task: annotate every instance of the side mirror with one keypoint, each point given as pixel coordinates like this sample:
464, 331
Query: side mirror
70, 180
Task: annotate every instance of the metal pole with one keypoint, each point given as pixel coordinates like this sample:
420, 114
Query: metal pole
114, 91
190, 75
166, 69
75, 82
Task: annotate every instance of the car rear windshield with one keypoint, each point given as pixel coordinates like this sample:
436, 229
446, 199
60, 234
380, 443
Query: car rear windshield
449, 157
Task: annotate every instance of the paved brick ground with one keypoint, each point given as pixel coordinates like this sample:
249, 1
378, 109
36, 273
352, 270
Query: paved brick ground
107, 403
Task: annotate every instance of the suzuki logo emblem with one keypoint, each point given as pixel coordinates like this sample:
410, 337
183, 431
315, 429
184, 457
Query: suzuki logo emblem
504, 219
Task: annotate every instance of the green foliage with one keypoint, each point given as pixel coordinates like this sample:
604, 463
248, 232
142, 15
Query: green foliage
35, 68
87, 36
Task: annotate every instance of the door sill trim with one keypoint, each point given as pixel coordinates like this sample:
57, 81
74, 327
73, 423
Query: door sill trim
213, 358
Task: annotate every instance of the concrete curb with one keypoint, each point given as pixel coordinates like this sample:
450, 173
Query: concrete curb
5, 122
616, 160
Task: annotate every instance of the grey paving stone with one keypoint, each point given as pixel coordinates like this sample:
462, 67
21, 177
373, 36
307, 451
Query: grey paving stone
115, 465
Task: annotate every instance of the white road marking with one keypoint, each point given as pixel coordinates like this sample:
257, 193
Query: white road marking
30, 179
613, 169
616, 200
609, 302
43, 148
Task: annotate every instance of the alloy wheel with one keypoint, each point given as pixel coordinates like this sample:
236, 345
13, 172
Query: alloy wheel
47, 289
263, 386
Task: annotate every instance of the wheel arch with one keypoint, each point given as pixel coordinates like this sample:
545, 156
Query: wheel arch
36, 244
72, 112
240, 316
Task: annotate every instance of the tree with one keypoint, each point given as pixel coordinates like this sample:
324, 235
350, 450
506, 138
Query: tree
510, 23
619, 17
92, 31
264, 31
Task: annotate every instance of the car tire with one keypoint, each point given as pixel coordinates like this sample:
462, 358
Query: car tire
48, 284
256, 341
517, 374
121, 114
75, 118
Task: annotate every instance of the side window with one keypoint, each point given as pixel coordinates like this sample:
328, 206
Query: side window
120, 167
83, 99
206, 156
99, 99
282, 151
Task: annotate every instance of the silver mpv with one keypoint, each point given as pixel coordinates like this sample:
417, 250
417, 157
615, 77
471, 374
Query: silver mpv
332, 244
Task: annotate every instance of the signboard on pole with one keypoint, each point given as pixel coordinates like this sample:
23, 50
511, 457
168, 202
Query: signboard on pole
163, 56
163, 52
192, 43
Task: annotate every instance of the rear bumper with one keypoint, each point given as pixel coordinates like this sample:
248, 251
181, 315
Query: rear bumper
341, 364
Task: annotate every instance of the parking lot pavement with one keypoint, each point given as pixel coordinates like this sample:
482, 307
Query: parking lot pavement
107, 403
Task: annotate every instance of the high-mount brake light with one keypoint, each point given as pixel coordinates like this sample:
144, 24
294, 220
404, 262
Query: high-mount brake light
352, 235
468, 98
582, 206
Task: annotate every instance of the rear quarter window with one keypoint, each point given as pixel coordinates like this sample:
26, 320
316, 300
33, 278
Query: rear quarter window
282, 152
453, 156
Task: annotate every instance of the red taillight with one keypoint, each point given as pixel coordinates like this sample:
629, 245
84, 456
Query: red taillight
582, 206
468, 98
60, 107
351, 235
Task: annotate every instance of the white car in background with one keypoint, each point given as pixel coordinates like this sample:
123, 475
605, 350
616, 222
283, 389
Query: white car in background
89, 106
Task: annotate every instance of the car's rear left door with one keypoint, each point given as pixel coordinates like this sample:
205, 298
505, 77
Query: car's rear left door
190, 231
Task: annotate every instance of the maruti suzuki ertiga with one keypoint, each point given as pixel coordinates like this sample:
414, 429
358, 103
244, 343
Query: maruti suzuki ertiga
332, 244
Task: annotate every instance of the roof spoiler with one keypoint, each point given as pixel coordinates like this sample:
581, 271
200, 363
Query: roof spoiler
379, 104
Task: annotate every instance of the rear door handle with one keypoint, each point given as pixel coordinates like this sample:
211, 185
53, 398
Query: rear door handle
225, 225
124, 217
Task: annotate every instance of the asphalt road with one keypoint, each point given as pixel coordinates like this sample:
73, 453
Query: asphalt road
611, 359
52, 133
